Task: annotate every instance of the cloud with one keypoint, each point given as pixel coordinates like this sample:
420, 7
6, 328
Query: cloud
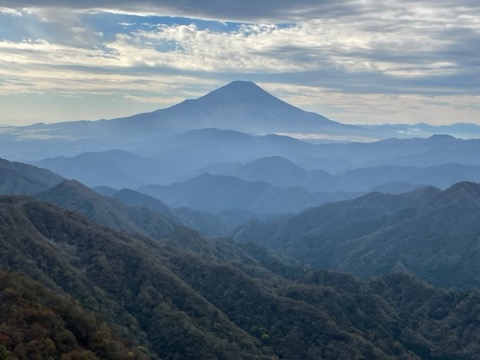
254, 11
250, 11
394, 42
10, 11
380, 108
366, 50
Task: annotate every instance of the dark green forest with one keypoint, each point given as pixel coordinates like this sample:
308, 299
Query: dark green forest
428, 232
74, 289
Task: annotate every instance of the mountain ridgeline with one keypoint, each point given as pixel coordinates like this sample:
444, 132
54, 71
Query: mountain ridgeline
428, 232
392, 166
20, 178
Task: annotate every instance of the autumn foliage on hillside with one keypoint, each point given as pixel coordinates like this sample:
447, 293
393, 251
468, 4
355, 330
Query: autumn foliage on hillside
38, 324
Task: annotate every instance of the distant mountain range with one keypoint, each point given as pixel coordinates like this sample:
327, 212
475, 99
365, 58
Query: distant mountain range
122, 210
217, 193
393, 165
281, 172
239, 106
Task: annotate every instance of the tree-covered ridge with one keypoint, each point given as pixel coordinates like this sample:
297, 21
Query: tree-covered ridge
124, 278
18, 178
445, 327
72, 195
188, 297
429, 232
38, 323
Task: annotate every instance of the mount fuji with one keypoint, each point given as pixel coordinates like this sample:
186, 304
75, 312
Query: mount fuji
240, 106
245, 107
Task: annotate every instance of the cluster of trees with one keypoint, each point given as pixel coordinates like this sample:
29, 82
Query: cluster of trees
37, 323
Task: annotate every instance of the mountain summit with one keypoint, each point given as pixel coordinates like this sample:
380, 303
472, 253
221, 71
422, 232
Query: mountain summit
241, 106
242, 93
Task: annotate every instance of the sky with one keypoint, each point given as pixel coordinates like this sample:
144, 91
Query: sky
356, 62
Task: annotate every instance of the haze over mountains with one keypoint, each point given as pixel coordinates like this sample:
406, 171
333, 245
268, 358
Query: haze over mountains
196, 232
281, 174
240, 106
230, 132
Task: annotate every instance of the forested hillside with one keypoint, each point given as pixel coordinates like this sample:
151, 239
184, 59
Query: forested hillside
39, 323
429, 232
188, 297
22, 179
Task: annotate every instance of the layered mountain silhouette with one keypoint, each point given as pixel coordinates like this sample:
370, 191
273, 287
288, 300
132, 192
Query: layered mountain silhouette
129, 211
274, 170
123, 210
218, 193
106, 211
319, 173
241, 106
173, 158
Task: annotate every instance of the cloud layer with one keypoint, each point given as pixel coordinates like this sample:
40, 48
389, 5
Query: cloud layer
398, 61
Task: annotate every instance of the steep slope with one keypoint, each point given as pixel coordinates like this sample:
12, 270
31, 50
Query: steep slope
38, 323
22, 179
344, 216
429, 232
435, 333
191, 298
106, 211
126, 279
